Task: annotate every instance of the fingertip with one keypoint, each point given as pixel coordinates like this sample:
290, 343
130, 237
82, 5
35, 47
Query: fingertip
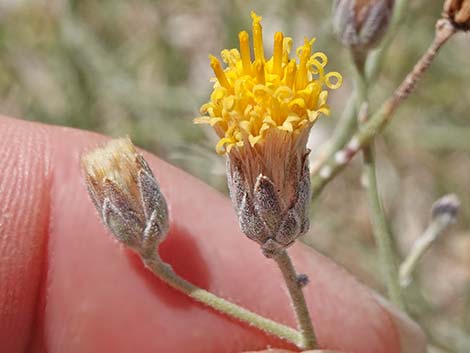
206, 247
24, 212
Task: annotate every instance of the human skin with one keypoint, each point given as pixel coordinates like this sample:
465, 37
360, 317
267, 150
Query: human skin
67, 286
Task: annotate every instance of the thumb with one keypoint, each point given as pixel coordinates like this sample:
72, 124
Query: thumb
74, 289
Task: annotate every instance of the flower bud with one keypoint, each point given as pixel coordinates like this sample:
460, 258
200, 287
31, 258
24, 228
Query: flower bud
360, 24
126, 194
458, 11
272, 215
446, 208
263, 111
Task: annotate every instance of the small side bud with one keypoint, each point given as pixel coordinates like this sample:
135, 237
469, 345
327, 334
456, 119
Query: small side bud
302, 279
446, 207
126, 194
458, 12
444, 213
360, 24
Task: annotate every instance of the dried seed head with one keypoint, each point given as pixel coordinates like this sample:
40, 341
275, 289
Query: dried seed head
126, 194
360, 24
458, 11
446, 208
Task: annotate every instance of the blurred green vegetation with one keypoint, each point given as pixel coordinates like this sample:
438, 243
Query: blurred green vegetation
140, 68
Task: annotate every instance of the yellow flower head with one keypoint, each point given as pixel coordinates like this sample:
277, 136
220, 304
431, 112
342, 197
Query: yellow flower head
263, 109
252, 99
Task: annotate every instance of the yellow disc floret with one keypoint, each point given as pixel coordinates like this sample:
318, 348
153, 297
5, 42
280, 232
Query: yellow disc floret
251, 97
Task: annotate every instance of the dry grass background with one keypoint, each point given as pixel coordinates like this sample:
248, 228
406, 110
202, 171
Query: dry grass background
140, 68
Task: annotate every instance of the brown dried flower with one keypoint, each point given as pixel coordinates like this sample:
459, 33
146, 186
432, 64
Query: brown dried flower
458, 11
126, 194
360, 24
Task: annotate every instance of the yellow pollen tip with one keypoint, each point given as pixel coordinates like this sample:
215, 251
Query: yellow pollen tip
219, 72
244, 40
277, 52
257, 36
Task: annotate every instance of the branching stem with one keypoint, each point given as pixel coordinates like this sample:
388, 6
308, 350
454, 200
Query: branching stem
336, 163
383, 238
381, 231
347, 123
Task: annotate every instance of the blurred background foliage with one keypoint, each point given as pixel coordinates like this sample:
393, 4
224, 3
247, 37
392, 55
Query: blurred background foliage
140, 68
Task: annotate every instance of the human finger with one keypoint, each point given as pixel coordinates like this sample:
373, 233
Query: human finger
92, 294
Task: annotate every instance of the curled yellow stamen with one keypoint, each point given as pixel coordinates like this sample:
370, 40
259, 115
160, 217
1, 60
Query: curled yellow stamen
333, 85
320, 57
254, 95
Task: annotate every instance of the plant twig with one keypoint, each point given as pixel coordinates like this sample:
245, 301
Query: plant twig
347, 122
304, 322
444, 31
165, 272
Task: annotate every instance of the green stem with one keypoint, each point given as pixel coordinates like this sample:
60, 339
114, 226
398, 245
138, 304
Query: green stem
304, 322
164, 272
382, 235
381, 231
